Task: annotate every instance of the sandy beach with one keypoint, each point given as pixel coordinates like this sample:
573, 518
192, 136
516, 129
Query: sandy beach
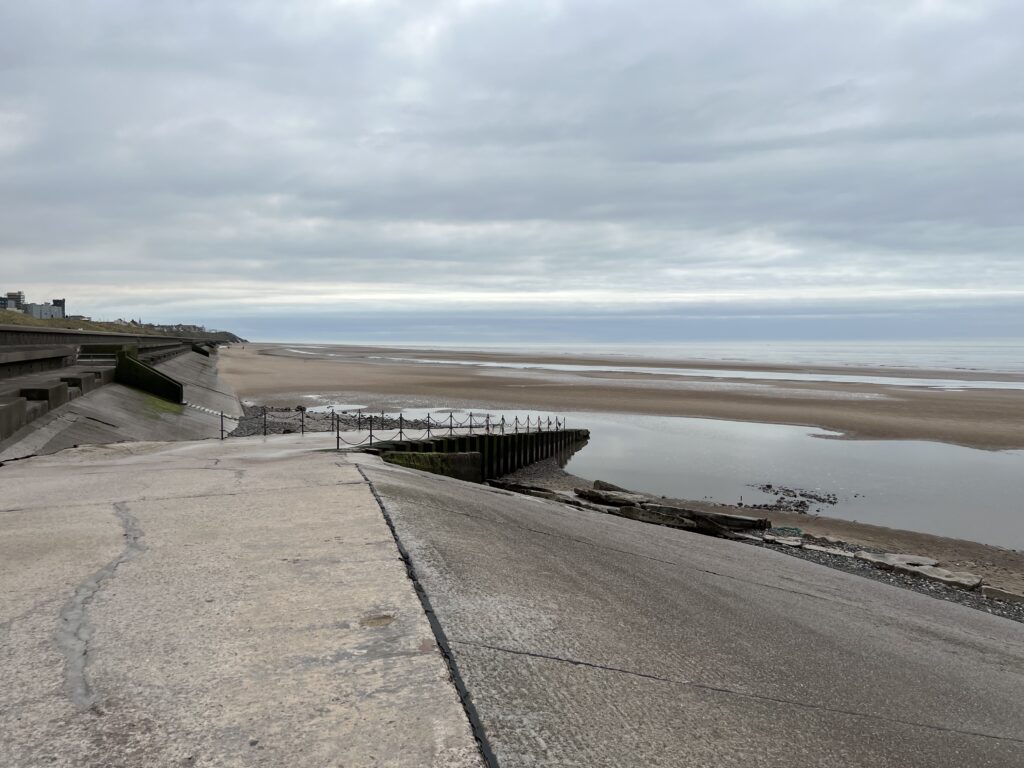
391, 378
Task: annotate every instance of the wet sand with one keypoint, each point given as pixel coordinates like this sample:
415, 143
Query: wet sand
990, 419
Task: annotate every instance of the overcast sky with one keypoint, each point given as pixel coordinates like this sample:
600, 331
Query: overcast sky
471, 165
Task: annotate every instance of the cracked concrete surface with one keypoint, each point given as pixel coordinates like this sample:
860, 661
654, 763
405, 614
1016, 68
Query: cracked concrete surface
591, 640
161, 608
74, 632
245, 604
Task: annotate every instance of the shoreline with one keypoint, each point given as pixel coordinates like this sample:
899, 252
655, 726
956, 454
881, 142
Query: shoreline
980, 419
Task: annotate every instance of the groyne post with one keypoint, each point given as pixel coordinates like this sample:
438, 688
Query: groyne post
222, 425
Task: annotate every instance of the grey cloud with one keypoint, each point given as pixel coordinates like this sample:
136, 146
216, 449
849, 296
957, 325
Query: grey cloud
640, 149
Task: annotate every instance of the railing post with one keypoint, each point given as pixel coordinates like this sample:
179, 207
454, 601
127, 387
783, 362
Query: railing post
428, 426
359, 422
517, 428
401, 427
487, 422
471, 422
337, 433
503, 424
371, 429
451, 423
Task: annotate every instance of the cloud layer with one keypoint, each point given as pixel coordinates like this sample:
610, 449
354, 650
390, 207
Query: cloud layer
218, 159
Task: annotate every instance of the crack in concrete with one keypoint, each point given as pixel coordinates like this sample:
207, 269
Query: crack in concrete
735, 692
75, 632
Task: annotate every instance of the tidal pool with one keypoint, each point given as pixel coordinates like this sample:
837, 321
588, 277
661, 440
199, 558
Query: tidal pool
920, 486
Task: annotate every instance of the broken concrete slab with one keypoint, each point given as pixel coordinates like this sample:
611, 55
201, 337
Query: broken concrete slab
828, 550
961, 579
890, 560
925, 567
612, 498
655, 518
786, 541
996, 593
601, 485
736, 522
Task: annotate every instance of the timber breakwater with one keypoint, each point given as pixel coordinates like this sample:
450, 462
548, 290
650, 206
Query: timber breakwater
482, 457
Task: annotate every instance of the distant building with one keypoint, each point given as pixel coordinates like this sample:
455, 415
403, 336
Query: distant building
62, 303
14, 300
44, 311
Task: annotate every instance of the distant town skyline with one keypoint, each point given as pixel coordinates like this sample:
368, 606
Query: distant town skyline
537, 169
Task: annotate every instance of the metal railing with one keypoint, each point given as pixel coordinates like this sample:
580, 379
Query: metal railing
384, 428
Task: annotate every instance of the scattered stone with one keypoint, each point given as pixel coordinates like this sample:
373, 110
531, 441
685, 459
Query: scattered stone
793, 499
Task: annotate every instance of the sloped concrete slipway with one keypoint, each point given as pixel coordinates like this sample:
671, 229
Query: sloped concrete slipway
246, 603
591, 640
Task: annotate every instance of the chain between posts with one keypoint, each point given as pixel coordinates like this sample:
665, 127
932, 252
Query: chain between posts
377, 428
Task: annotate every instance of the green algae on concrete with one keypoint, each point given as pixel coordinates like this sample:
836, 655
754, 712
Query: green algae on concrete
461, 466
159, 406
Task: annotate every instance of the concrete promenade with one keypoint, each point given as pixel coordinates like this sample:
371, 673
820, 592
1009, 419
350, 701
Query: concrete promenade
212, 604
244, 603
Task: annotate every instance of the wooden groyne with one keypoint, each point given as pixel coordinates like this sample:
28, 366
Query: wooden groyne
481, 457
